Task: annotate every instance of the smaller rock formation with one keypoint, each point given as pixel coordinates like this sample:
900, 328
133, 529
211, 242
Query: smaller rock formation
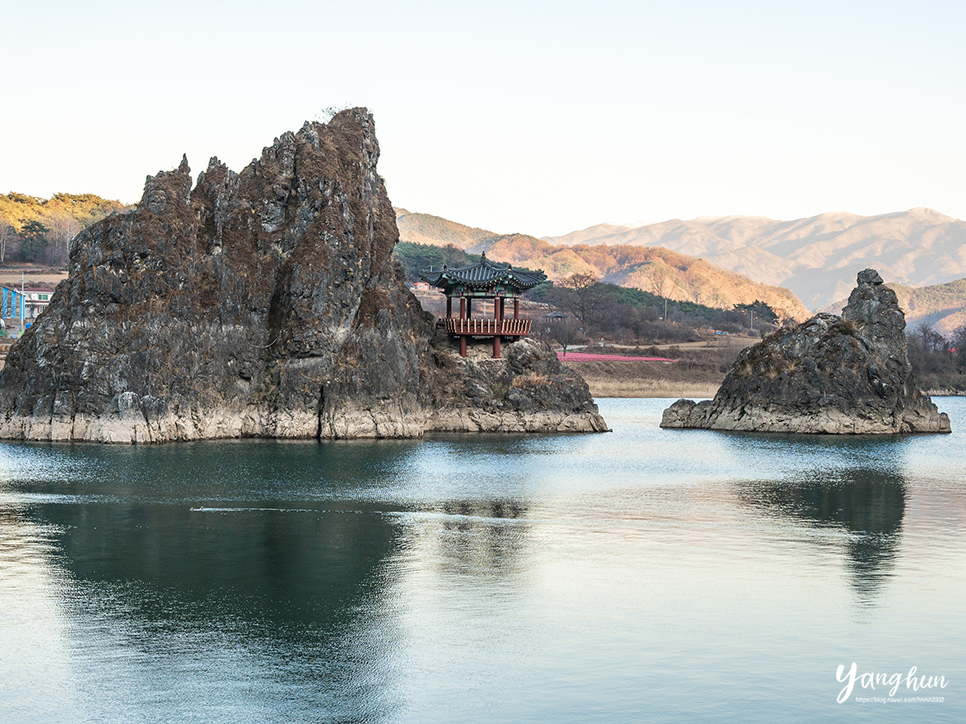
833, 375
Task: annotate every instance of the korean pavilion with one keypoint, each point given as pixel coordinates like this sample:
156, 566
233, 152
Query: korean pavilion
481, 281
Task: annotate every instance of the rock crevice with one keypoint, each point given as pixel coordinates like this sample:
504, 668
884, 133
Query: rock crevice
264, 303
830, 374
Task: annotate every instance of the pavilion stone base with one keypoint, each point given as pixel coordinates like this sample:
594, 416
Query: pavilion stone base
495, 346
477, 348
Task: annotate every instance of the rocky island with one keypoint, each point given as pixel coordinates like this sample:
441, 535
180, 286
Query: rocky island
265, 304
831, 374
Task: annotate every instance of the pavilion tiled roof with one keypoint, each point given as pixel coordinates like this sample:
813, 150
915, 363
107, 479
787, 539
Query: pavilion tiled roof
485, 274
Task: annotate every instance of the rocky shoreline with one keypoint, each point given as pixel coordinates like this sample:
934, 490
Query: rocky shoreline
264, 304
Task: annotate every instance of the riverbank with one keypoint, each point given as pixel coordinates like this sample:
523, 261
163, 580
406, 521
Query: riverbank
944, 385
12, 277
693, 373
693, 370
647, 379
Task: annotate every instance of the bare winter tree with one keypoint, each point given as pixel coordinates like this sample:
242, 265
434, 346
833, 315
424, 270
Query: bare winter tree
959, 347
7, 233
62, 229
567, 331
587, 294
661, 283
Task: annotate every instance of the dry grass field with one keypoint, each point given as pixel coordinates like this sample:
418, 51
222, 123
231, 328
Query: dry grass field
32, 277
602, 387
697, 371
647, 379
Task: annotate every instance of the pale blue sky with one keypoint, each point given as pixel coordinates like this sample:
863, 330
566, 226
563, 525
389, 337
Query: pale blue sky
538, 117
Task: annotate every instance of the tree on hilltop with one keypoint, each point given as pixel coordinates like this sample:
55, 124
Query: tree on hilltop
33, 241
758, 312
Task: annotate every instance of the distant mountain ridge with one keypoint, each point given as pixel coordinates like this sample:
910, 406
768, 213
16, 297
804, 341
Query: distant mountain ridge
660, 271
817, 257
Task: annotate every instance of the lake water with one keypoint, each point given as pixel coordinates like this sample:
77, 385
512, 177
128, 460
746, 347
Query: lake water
640, 575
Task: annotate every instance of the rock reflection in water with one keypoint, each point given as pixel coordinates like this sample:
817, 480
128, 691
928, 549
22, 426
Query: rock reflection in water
868, 503
476, 538
215, 594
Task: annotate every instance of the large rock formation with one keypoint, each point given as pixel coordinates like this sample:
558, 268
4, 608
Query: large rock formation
827, 375
264, 303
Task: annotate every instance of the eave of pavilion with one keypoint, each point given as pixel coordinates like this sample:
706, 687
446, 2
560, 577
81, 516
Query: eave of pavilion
484, 279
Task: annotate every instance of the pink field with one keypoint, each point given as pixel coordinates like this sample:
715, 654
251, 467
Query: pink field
587, 357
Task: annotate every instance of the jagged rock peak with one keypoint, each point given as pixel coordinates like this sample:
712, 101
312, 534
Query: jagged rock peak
830, 374
873, 310
868, 276
167, 186
264, 304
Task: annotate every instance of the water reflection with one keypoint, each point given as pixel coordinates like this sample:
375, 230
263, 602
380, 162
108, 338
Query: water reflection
205, 472
484, 539
251, 604
868, 503
638, 575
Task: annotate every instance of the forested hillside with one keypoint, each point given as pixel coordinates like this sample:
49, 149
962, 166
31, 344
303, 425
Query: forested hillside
34, 230
595, 310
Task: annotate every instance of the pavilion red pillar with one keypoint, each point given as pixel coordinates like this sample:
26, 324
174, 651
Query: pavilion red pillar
516, 308
449, 307
463, 306
496, 327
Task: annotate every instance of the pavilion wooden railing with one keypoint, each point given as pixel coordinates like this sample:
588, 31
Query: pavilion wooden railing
489, 327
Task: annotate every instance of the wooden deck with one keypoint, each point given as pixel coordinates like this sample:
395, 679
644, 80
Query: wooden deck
488, 327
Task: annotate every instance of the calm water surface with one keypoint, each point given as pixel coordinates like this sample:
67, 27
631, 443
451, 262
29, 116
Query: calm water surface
642, 575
